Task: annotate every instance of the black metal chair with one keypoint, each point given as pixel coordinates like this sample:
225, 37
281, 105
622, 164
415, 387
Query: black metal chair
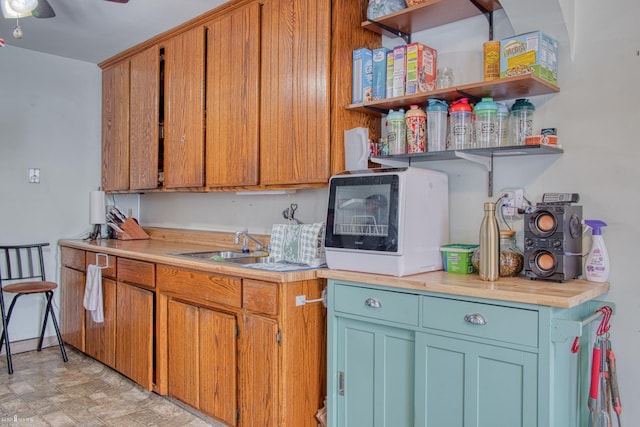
22, 273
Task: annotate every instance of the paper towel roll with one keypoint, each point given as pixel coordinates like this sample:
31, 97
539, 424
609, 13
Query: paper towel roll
97, 208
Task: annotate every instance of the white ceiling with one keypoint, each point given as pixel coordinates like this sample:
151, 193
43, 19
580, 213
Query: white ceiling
95, 30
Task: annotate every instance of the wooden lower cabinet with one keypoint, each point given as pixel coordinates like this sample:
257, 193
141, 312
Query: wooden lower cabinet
202, 363
71, 310
100, 338
134, 333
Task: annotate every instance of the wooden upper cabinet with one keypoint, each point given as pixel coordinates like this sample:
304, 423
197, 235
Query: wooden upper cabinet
184, 56
115, 127
233, 98
294, 136
144, 116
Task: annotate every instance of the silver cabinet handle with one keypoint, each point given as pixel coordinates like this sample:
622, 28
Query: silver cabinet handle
475, 319
373, 303
341, 383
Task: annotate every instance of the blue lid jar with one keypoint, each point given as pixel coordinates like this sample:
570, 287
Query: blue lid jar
486, 105
522, 104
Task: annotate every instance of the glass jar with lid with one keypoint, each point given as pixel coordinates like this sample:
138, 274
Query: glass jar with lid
511, 258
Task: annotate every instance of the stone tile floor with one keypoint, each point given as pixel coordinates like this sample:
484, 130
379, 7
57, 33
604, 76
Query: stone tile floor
45, 391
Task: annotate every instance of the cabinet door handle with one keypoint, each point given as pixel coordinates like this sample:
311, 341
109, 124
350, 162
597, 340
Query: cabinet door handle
373, 303
341, 383
475, 319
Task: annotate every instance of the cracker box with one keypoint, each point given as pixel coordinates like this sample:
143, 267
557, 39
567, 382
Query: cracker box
421, 68
379, 73
531, 53
390, 74
362, 77
399, 70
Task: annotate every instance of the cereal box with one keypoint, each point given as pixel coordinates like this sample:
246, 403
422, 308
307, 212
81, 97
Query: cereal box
379, 73
362, 77
421, 68
390, 74
399, 69
531, 53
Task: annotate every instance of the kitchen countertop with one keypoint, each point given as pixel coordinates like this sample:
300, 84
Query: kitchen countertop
157, 251
513, 289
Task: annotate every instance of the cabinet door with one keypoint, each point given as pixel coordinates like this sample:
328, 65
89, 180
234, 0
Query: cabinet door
184, 57
461, 383
71, 308
233, 98
258, 372
294, 127
134, 332
100, 338
202, 359
115, 127
375, 375
144, 115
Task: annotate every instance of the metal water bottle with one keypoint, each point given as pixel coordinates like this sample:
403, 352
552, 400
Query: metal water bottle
489, 263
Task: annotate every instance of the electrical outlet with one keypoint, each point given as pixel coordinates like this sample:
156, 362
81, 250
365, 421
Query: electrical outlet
34, 175
513, 200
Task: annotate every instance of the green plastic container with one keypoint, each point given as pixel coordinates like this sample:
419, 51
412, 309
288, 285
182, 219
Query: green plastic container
456, 258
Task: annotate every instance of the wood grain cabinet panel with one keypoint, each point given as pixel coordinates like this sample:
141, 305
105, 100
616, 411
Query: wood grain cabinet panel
144, 114
184, 62
233, 98
100, 338
71, 309
115, 127
295, 102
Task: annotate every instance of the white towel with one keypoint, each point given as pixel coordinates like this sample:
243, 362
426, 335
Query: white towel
93, 293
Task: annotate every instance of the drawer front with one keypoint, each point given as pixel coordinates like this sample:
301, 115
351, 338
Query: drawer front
512, 325
72, 258
260, 296
138, 272
377, 304
200, 286
97, 258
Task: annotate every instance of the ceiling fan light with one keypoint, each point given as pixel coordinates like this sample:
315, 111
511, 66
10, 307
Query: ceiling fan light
23, 6
9, 13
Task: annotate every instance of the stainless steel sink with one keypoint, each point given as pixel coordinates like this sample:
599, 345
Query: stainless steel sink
252, 260
222, 256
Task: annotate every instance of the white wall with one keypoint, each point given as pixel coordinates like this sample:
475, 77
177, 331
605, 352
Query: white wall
596, 114
49, 119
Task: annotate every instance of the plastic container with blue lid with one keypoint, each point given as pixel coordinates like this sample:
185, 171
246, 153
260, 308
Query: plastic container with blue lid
437, 111
486, 122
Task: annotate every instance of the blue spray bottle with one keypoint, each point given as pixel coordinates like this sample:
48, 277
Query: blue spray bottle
597, 264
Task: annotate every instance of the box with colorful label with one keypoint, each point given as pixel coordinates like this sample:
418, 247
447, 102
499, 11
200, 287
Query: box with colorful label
421, 68
390, 74
531, 53
362, 77
399, 70
457, 258
380, 73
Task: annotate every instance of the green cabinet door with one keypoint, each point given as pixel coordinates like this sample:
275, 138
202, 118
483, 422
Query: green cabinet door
461, 383
375, 375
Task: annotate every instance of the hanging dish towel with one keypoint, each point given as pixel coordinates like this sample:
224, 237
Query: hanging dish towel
93, 293
299, 243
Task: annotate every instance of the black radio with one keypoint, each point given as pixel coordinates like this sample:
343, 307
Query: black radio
553, 241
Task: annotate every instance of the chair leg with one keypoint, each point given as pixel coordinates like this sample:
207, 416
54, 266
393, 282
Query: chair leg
5, 335
55, 326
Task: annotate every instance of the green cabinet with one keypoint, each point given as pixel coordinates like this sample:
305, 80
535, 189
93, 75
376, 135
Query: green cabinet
402, 357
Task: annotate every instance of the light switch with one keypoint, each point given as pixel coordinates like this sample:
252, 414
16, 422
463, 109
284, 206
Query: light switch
34, 175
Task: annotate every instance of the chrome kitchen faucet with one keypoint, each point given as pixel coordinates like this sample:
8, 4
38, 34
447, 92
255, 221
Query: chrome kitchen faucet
245, 241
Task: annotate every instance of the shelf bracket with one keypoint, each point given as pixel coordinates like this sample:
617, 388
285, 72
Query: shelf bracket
486, 161
487, 13
404, 36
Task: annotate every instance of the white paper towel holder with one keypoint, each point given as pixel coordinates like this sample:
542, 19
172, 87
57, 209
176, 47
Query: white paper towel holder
97, 213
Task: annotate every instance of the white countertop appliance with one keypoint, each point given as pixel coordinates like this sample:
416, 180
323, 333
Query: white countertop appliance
387, 221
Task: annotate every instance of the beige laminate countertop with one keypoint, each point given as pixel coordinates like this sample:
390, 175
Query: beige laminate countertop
157, 251
513, 289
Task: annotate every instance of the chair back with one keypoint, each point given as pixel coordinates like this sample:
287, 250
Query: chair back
22, 262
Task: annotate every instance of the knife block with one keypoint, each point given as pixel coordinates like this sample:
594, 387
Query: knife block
131, 231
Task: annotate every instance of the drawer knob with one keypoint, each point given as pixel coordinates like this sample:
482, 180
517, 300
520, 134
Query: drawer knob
373, 303
475, 319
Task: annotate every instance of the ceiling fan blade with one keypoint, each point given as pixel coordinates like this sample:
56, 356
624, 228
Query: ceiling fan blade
43, 10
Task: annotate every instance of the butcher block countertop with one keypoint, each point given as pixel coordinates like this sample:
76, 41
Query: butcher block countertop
513, 289
166, 241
